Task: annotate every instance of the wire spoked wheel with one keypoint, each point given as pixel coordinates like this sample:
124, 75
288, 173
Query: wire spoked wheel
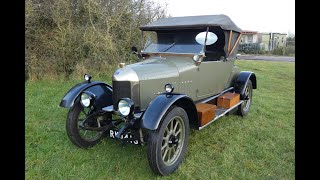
244, 108
167, 144
84, 121
173, 140
79, 119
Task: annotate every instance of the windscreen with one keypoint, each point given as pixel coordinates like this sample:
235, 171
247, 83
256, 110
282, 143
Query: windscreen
173, 42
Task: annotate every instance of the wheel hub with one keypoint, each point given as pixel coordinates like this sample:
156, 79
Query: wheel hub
173, 141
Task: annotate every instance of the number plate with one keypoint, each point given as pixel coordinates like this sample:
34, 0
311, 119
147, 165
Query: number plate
113, 133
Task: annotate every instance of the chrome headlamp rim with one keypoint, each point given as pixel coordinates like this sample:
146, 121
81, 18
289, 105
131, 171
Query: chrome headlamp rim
125, 107
87, 98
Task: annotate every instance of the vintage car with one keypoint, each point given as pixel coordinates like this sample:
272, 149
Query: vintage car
185, 78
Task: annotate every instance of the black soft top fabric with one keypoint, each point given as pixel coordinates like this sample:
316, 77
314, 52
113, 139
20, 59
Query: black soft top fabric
220, 20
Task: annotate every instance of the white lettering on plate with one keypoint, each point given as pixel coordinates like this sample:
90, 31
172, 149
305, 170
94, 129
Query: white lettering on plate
111, 134
114, 133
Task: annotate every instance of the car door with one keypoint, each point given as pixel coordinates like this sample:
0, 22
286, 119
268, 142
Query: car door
212, 77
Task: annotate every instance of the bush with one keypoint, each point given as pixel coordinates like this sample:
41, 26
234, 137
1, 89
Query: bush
290, 51
284, 51
63, 35
278, 51
252, 51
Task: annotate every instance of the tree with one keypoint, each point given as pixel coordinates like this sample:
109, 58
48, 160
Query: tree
64, 37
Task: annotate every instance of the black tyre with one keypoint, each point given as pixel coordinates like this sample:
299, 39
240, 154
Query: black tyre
79, 136
244, 108
167, 144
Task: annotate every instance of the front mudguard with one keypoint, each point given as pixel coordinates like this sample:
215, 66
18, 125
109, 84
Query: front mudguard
102, 91
159, 106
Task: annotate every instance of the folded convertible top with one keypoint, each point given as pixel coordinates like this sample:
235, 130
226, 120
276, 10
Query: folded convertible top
185, 22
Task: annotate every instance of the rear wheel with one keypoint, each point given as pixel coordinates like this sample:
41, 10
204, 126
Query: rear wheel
77, 134
168, 143
244, 108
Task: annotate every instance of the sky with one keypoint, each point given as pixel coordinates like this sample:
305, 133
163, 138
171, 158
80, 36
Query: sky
254, 15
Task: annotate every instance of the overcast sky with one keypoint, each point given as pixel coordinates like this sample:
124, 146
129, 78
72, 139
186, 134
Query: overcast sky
255, 15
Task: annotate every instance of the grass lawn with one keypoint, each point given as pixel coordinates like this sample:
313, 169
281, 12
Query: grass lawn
259, 146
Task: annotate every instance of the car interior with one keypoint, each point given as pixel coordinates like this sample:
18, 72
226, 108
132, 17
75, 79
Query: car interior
215, 51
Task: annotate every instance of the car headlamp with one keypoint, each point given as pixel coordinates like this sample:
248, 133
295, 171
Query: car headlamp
168, 88
87, 98
125, 106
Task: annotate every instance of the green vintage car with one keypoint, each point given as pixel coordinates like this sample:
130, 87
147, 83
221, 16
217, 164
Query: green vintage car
185, 62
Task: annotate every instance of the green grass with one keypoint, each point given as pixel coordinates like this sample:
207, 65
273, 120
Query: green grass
259, 146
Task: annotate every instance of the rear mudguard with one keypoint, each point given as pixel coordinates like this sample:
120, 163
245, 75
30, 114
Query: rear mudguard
102, 91
242, 81
160, 105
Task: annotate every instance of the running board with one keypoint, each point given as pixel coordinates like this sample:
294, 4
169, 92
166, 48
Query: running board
221, 112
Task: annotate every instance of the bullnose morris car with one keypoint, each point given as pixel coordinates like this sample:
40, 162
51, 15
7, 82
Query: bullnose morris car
185, 78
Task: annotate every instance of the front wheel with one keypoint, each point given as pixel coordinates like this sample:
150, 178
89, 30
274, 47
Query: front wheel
77, 134
168, 143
